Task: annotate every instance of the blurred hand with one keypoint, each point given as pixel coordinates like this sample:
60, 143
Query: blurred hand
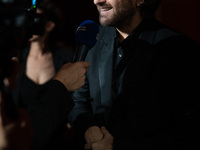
15, 134
72, 75
93, 134
3, 141
104, 144
11, 80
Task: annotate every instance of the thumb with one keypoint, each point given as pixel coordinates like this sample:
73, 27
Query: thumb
104, 130
107, 137
85, 64
88, 146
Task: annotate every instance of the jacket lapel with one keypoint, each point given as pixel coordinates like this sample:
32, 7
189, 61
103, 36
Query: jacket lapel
106, 66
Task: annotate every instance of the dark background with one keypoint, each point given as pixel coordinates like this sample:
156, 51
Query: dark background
182, 15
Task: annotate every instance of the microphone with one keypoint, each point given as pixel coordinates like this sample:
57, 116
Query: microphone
85, 38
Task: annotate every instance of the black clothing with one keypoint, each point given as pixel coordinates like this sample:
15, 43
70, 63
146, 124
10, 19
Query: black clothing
49, 115
157, 105
30, 98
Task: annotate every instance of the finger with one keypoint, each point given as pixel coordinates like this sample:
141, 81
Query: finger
107, 135
84, 63
87, 64
104, 130
82, 72
88, 146
14, 59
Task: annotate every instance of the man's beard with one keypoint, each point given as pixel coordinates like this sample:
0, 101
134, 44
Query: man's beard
120, 18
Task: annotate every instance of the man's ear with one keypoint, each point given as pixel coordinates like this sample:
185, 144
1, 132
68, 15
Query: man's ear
49, 26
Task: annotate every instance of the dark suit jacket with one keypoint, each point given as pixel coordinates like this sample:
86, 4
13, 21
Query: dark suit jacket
159, 104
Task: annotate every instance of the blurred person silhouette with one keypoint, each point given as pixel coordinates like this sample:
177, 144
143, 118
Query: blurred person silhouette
43, 56
15, 127
22, 131
38, 128
142, 84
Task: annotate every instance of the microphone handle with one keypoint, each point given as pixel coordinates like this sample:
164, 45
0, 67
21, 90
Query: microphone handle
80, 53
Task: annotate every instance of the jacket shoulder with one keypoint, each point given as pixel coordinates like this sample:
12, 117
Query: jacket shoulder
105, 33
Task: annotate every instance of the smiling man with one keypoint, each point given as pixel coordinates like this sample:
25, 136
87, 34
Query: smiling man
141, 90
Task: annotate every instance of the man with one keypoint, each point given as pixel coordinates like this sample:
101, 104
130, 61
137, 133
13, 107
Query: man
142, 84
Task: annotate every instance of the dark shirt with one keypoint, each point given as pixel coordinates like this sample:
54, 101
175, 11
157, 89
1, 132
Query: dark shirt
31, 93
122, 53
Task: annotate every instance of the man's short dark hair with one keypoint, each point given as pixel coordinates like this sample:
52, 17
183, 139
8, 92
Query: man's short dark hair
149, 7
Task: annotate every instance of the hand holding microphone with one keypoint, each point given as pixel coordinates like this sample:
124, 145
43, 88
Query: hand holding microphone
72, 75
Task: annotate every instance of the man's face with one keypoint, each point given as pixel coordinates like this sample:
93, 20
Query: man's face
115, 12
